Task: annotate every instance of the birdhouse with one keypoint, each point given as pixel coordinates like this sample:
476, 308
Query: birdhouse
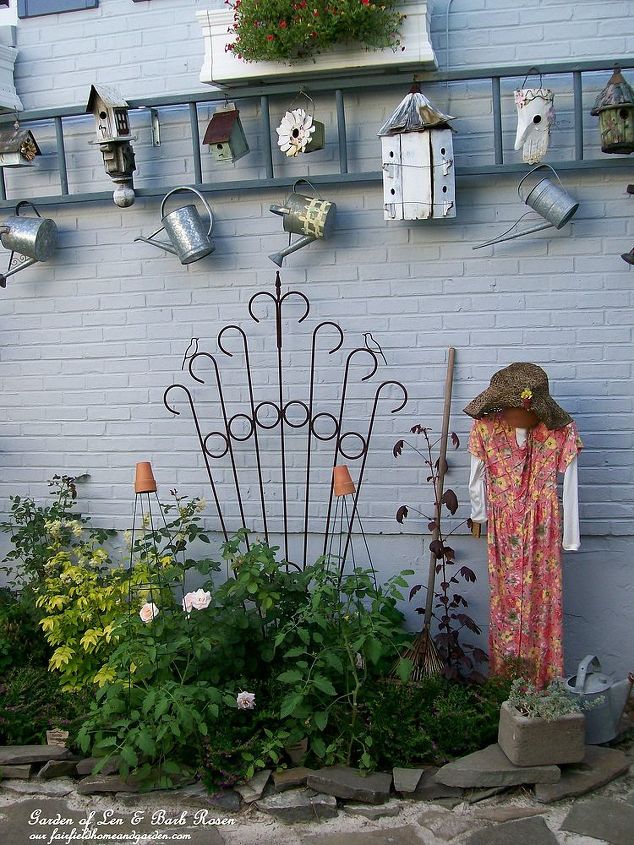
417, 161
18, 148
615, 109
225, 135
110, 111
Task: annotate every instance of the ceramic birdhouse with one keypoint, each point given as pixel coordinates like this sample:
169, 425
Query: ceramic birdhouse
225, 135
112, 129
417, 161
615, 109
18, 148
535, 116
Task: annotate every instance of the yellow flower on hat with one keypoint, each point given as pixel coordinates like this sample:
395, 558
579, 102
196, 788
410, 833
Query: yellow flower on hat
527, 393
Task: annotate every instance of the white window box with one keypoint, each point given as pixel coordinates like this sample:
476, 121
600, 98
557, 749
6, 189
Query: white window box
9, 100
221, 68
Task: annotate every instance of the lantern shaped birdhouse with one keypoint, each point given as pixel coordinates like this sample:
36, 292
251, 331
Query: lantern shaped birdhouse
417, 161
112, 128
225, 135
18, 148
615, 109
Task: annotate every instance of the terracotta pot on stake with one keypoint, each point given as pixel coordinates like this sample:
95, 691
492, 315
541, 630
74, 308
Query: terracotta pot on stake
144, 481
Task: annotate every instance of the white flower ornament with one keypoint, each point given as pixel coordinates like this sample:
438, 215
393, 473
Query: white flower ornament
295, 132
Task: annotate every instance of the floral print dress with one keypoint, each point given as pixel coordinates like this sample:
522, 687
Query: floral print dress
524, 542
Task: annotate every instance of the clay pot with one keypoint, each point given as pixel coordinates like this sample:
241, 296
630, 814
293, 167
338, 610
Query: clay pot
342, 481
144, 478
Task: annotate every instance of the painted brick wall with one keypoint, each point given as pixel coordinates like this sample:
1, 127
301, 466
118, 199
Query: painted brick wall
91, 340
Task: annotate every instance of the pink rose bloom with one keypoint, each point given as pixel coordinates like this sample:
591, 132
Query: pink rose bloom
246, 701
148, 612
198, 600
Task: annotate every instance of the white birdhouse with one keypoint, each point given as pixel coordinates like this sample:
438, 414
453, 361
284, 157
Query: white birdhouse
111, 113
417, 161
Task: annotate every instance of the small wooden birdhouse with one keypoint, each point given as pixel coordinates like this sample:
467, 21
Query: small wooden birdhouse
111, 113
615, 109
225, 135
417, 161
18, 148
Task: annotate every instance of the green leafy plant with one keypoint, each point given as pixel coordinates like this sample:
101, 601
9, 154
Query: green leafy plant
550, 703
289, 30
21, 640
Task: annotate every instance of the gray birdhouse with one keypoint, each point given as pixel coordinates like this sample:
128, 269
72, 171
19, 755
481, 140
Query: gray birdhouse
110, 111
225, 135
417, 161
18, 148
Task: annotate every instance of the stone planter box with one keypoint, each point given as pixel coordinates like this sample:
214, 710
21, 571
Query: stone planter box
537, 742
221, 68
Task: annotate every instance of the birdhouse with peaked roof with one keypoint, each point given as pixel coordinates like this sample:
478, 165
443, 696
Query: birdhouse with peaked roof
110, 111
615, 109
417, 161
225, 135
18, 148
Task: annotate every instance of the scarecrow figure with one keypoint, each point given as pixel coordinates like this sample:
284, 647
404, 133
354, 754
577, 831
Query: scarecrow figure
520, 440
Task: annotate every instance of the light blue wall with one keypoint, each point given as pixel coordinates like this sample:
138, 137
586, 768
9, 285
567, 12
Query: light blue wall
90, 340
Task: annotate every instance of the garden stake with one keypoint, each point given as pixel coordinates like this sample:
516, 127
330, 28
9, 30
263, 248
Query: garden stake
423, 652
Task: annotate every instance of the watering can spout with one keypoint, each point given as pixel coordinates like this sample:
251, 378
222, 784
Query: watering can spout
511, 237
281, 210
278, 257
159, 244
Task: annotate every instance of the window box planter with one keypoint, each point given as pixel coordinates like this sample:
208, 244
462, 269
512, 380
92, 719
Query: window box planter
538, 742
222, 68
8, 98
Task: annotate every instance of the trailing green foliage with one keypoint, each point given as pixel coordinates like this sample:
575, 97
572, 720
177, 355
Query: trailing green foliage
21, 640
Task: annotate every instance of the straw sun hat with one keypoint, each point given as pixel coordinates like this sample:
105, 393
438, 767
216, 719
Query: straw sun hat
520, 385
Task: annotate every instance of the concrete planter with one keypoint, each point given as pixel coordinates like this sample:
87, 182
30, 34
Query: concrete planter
537, 742
221, 68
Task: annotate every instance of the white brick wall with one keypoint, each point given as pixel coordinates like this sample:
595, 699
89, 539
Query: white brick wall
91, 339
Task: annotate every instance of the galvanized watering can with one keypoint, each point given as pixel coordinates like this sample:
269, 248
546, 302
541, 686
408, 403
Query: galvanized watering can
311, 217
548, 199
602, 720
185, 229
30, 239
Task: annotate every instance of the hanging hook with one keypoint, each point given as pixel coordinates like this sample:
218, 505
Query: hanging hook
534, 71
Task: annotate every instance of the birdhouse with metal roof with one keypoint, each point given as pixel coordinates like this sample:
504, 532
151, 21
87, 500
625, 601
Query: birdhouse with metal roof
110, 111
417, 161
615, 109
225, 135
18, 147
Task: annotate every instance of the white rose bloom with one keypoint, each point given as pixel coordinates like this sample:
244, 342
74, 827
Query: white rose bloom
148, 612
246, 701
199, 600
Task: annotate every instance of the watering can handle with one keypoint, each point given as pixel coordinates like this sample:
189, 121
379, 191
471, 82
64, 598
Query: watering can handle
582, 671
200, 197
23, 203
316, 192
532, 170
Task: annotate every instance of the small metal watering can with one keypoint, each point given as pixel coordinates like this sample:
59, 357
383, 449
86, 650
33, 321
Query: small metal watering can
548, 199
185, 229
30, 239
311, 217
602, 720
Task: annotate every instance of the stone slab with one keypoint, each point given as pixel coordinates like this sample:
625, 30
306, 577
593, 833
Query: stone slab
395, 836
429, 789
532, 831
23, 772
51, 788
506, 813
630, 798
253, 789
15, 755
474, 796
299, 805
96, 784
344, 782
373, 811
291, 778
491, 767
445, 825
57, 769
85, 767
612, 821
406, 780
599, 766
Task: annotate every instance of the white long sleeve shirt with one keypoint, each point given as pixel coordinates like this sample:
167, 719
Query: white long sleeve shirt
477, 493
